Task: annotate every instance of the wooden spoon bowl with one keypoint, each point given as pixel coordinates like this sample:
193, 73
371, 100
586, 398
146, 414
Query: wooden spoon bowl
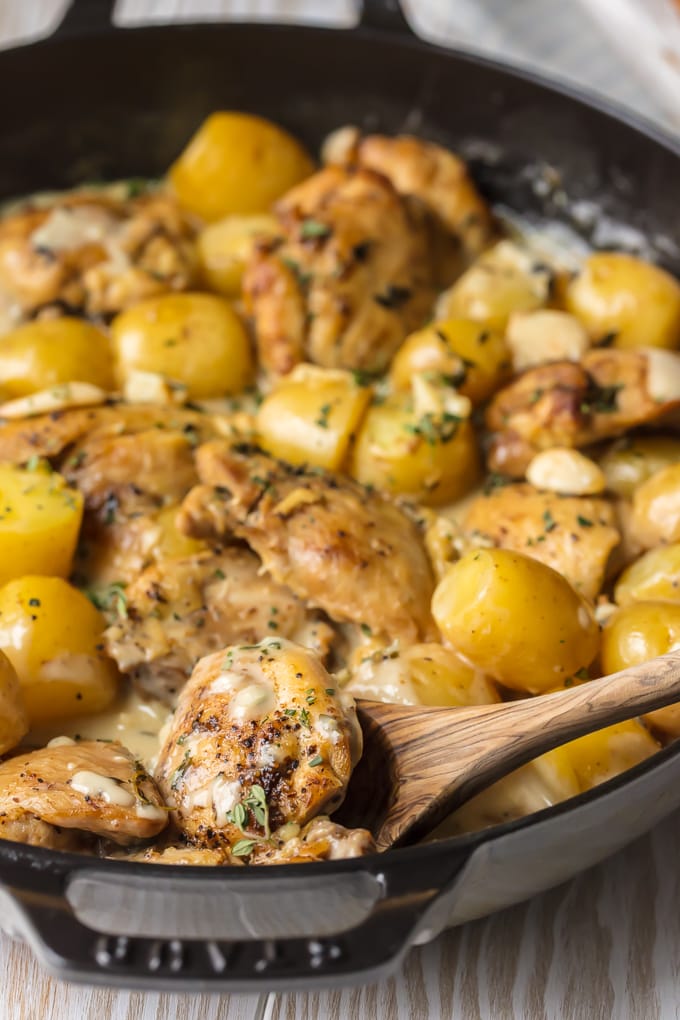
420, 764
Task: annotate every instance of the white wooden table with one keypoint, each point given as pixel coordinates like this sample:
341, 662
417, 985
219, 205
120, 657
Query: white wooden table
606, 945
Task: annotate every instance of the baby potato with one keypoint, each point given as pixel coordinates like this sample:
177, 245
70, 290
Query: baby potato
225, 247
620, 294
13, 718
473, 358
311, 416
502, 281
439, 676
606, 753
515, 618
51, 633
639, 632
50, 352
196, 340
431, 456
630, 462
425, 674
40, 519
655, 516
654, 576
237, 163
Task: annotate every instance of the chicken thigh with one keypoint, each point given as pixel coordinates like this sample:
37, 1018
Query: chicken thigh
339, 546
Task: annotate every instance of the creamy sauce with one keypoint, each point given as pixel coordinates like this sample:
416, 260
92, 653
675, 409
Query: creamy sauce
135, 721
91, 784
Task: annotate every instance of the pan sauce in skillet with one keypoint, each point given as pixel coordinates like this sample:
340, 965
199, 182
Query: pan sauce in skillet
276, 436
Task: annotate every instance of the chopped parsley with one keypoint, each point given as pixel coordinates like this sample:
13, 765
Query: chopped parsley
304, 718
549, 521
324, 412
585, 522
600, 399
312, 229
435, 428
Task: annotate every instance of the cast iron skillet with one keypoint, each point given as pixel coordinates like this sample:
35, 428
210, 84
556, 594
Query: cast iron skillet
96, 103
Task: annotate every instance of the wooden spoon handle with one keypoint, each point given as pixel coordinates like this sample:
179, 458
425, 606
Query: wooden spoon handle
460, 752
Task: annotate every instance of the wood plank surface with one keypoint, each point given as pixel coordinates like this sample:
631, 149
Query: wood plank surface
605, 946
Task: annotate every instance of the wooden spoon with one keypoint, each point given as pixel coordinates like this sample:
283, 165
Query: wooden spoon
419, 764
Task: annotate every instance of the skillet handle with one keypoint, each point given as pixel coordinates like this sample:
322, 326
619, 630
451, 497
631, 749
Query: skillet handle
403, 908
85, 16
384, 15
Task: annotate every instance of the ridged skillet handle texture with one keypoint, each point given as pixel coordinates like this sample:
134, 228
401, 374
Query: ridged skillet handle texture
97, 15
367, 950
394, 907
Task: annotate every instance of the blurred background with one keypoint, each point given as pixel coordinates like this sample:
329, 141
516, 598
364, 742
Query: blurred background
627, 50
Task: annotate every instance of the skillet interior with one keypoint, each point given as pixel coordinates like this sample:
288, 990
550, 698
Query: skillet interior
124, 103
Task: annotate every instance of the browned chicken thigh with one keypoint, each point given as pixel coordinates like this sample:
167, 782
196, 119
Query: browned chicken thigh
567, 403
572, 534
350, 277
261, 737
182, 609
429, 172
95, 254
86, 787
339, 546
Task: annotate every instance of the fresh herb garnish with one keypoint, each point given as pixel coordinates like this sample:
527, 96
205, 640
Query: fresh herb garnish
585, 522
549, 521
316, 760
322, 420
435, 428
312, 228
243, 847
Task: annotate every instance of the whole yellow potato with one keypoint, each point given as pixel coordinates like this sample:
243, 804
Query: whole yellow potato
625, 296
225, 247
473, 358
311, 416
655, 515
502, 281
639, 632
606, 753
40, 519
196, 340
654, 576
237, 163
515, 618
13, 718
50, 352
51, 633
440, 676
424, 674
431, 457
630, 462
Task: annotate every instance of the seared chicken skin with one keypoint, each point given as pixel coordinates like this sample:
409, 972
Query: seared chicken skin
90, 787
572, 534
574, 404
348, 279
425, 171
191, 856
95, 255
51, 435
261, 737
338, 546
180, 610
